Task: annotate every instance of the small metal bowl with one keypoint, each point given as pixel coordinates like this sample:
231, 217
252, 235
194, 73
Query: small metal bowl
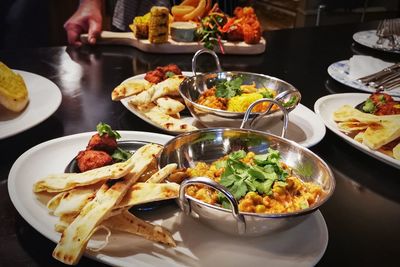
208, 145
192, 87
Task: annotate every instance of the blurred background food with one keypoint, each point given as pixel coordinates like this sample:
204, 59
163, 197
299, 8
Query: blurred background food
35, 23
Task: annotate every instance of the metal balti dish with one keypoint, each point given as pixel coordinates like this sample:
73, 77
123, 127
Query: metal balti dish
210, 144
192, 87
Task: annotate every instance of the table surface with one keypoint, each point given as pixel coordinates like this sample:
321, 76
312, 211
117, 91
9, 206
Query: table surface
363, 215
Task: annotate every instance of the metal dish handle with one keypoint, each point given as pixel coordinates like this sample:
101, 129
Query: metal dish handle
202, 51
185, 202
272, 101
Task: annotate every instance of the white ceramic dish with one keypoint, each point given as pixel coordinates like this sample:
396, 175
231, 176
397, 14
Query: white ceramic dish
369, 38
197, 245
44, 99
325, 106
305, 127
340, 72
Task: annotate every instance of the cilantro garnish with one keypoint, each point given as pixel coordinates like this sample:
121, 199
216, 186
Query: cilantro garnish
121, 155
169, 74
241, 178
369, 106
103, 128
229, 89
290, 103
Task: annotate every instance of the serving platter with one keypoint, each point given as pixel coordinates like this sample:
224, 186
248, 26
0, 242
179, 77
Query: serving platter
173, 47
195, 242
304, 127
327, 105
340, 71
369, 38
44, 99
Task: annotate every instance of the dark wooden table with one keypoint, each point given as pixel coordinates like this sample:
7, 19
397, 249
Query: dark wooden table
363, 215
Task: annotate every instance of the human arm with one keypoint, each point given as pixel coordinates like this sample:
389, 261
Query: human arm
87, 18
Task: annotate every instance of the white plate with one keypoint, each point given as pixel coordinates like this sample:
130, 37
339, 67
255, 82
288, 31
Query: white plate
327, 105
369, 38
44, 99
305, 127
340, 72
197, 245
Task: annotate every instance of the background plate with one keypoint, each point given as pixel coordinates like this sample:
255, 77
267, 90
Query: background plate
325, 106
340, 72
197, 245
369, 38
44, 99
305, 127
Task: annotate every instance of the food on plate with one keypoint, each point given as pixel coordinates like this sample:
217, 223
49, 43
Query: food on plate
216, 26
191, 10
101, 199
378, 132
183, 31
381, 104
235, 96
158, 25
129, 88
160, 102
140, 26
160, 74
13, 92
101, 150
260, 183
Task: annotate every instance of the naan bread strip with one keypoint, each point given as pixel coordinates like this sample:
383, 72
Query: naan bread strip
127, 222
66, 181
348, 113
359, 137
72, 201
351, 126
162, 174
166, 121
169, 86
396, 152
139, 193
381, 133
129, 88
144, 98
75, 237
169, 105
142, 193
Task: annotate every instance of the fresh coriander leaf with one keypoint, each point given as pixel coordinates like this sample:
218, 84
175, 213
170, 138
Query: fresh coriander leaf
228, 180
120, 155
169, 74
220, 164
369, 106
264, 187
238, 189
103, 128
290, 103
229, 89
237, 155
266, 93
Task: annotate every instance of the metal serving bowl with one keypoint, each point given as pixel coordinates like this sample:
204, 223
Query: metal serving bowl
208, 145
191, 88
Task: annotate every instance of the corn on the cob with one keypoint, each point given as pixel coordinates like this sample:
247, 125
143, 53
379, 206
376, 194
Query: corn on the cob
140, 26
158, 25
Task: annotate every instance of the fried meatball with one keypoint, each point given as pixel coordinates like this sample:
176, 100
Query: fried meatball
92, 159
172, 68
102, 143
154, 76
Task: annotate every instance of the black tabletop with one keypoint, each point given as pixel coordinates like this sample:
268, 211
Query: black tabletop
363, 215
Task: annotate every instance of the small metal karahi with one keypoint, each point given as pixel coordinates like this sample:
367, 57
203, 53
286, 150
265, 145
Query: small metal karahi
192, 87
208, 145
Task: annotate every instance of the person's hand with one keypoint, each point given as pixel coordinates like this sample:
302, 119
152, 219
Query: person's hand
87, 18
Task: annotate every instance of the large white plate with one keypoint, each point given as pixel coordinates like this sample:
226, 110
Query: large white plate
327, 105
369, 38
44, 99
197, 245
340, 72
305, 127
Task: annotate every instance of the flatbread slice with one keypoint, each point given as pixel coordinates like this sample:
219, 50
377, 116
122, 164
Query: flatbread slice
127, 222
75, 237
73, 201
381, 133
129, 88
167, 122
162, 174
169, 105
143, 98
396, 152
169, 86
66, 181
